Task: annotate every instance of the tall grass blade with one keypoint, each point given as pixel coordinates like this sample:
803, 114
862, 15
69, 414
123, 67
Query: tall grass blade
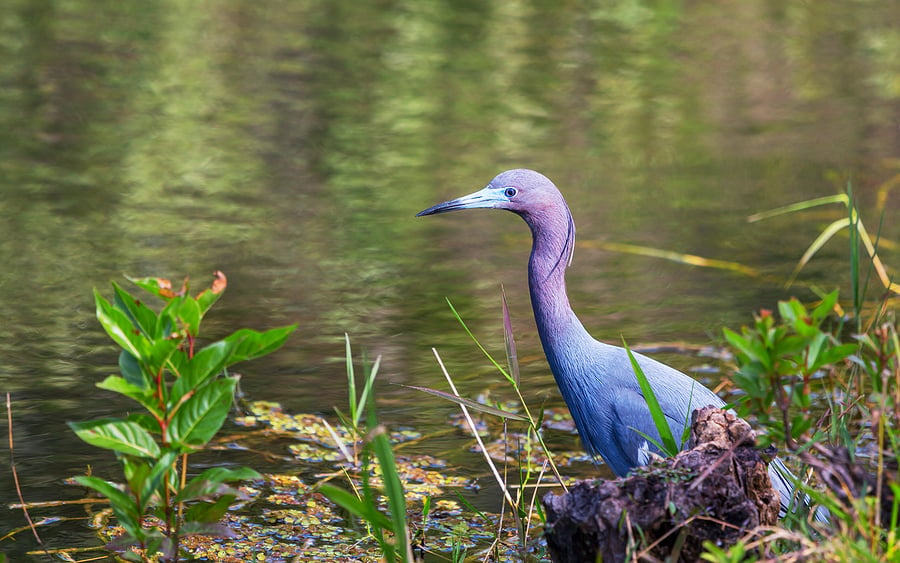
817, 245
877, 264
686, 434
512, 357
351, 380
864, 285
853, 224
799, 206
477, 343
367, 387
355, 506
678, 257
470, 403
670, 448
393, 488
853, 221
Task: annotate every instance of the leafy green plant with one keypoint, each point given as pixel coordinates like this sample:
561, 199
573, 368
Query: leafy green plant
782, 365
833, 397
358, 402
186, 393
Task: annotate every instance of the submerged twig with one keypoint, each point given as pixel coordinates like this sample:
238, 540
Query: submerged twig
12, 466
472, 426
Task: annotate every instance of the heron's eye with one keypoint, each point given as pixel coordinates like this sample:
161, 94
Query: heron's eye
510, 192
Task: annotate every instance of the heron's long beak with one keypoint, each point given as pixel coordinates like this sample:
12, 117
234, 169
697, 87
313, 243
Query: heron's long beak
486, 197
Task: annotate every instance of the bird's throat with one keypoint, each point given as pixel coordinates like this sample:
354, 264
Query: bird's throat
557, 324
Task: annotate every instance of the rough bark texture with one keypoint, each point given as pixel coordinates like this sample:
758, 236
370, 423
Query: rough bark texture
714, 491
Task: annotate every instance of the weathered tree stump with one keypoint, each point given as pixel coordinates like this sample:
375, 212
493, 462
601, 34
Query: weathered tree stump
715, 491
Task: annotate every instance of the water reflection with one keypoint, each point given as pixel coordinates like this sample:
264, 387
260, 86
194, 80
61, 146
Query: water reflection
289, 144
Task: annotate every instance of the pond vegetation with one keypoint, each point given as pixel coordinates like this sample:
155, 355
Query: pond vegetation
820, 381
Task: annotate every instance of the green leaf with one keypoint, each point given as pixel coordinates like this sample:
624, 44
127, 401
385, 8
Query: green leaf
146, 421
825, 308
189, 314
210, 482
170, 317
814, 350
199, 418
120, 385
512, 356
206, 363
119, 327
119, 435
393, 486
650, 439
800, 206
484, 351
209, 512
208, 297
371, 374
686, 433
131, 370
252, 344
656, 412
157, 542
737, 341
351, 380
141, 316
136, 470
352, 504
124, 507
162, 352
195, 528
159, 287
791, 310
166, 325
835, 354
151, 485
816, 245
790, 346
749, 347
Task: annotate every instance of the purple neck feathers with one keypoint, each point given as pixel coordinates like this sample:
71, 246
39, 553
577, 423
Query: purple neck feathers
554, 242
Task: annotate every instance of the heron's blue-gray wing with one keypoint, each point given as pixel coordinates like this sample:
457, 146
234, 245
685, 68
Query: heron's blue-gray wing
633, 437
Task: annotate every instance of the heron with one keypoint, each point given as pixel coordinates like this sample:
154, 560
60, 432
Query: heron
596, 380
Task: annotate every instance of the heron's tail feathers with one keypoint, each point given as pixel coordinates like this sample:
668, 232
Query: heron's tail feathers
784, 481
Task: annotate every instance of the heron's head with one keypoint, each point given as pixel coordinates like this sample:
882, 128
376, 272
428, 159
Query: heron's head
532, 196
520, 191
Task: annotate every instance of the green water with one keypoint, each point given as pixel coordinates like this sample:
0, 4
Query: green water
290, 143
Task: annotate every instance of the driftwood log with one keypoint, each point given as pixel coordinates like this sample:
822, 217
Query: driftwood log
715, 491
